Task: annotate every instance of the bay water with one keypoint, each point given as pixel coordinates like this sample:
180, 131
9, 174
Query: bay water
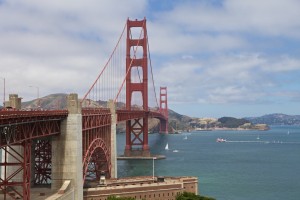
263, 165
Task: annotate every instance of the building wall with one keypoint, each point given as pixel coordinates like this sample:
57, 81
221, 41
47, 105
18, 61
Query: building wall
191, 185
167, 190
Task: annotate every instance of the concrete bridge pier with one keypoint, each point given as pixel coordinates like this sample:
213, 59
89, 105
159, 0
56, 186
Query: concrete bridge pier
113, 145
67, 150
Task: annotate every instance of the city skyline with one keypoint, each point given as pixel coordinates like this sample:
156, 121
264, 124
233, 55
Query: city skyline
217, 58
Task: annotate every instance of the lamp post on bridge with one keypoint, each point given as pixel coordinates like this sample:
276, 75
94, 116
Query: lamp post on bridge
38, 94
3, 92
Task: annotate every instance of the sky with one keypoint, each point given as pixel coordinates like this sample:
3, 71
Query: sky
216, 57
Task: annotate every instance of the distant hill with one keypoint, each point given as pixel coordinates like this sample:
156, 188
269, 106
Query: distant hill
231, 122
275, 119
53, 101
178, 121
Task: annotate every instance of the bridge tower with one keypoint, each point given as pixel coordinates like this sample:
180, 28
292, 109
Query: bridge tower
137, 129
163, 108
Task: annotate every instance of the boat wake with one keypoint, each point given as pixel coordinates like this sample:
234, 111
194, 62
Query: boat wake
264, 142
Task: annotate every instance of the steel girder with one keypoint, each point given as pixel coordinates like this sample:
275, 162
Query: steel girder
124, 115
95, 118
19, 116
11, 185
42, 159
96, 140
136, 128
20, 128
96, 159
17, 132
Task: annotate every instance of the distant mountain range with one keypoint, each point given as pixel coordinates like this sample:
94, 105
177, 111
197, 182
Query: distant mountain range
275, 119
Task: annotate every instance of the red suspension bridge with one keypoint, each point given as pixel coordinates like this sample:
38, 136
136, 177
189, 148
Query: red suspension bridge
42, 147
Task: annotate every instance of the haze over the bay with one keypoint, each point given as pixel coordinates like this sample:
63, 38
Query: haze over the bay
217, 57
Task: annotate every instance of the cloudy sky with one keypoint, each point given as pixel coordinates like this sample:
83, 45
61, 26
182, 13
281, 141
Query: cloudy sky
217, 57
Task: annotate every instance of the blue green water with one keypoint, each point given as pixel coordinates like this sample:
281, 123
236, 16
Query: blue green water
244, 169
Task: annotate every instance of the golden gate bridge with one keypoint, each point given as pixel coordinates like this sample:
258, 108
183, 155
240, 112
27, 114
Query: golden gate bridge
50, 146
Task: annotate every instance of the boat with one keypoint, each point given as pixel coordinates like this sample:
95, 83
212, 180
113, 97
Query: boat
175, 151
185, 138
258, 137
167, 147
288, 132
220, 140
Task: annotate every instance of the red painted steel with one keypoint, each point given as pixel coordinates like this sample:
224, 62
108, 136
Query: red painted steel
26, 169
18, 126
10, 185
21, 128
138, 129
42, 161
96, 159
96, 140
163, 108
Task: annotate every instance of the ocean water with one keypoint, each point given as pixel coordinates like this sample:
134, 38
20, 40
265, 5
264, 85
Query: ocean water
244, 168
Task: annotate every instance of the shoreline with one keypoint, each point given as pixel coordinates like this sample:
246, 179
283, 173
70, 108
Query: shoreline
232, 129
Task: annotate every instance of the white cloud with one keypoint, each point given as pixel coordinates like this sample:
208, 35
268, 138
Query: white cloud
270, 17
203, 53
59, 46
283, 63
168, 39
231, 78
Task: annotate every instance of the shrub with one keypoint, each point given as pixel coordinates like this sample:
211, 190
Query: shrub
192, 196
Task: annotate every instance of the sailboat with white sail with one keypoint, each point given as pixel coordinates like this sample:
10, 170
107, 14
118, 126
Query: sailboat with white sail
167, 147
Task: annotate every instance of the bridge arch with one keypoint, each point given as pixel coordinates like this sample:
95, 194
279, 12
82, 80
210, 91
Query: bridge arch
96, 159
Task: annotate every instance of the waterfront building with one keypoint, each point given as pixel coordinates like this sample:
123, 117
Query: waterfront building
146, 188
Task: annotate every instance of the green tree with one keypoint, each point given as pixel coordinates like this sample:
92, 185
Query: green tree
192, 196
119, 198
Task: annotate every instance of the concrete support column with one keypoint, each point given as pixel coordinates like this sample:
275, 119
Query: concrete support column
113, 139
67, 150
14, 101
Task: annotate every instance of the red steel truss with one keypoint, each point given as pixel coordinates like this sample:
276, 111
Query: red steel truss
96, 143
31, 131
96, 159
42, 161
11, 184
19, 129
138, 128
96, 137
18, 126
163, 108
